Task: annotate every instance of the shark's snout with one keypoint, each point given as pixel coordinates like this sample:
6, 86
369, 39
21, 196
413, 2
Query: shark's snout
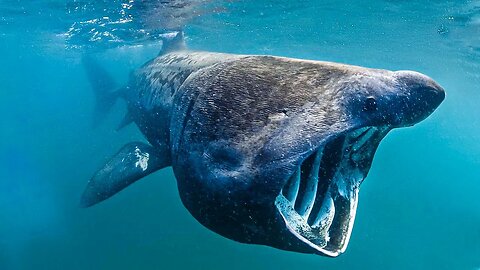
420, 97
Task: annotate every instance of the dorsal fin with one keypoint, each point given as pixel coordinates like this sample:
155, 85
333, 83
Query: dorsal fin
103, 86
172, 42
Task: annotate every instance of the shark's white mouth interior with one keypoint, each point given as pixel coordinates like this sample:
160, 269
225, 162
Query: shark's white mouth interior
319, 201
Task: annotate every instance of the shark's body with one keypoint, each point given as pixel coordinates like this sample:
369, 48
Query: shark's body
266, 150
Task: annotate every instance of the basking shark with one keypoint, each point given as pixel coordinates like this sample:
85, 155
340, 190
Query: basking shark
266, 150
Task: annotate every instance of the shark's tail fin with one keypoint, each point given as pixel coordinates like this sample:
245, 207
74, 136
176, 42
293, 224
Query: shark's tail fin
103, 87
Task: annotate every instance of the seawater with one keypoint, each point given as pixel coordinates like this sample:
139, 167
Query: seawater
419, 207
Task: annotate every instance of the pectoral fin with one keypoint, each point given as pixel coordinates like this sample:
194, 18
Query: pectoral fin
134, 161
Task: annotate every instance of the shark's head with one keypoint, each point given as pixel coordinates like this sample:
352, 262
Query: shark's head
274, 150
393, 99
318, 200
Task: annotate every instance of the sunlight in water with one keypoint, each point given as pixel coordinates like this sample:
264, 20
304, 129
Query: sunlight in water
418, 208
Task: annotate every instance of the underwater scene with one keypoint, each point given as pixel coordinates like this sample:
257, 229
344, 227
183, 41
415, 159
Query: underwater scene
239, 134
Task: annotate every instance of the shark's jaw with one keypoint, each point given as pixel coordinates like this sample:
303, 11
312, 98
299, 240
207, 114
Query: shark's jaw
319, 201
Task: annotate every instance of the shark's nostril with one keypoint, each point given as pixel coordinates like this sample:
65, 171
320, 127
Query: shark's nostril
437, 95
417, 102
427, 93
421, 103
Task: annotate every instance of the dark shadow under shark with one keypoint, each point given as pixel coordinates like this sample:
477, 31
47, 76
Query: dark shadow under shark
266, 150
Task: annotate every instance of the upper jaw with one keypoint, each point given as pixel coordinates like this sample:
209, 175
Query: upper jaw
319, 201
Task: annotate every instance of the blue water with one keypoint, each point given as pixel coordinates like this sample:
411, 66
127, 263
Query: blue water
419, 207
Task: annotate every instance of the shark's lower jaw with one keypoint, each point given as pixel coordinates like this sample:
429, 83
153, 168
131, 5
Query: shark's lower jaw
319, 201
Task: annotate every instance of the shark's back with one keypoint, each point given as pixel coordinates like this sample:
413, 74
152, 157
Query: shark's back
156, 83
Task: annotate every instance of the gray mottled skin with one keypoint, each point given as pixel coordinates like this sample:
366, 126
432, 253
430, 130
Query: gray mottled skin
151, 92
235, 128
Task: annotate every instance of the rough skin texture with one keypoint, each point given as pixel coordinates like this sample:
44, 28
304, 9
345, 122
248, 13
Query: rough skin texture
237, 127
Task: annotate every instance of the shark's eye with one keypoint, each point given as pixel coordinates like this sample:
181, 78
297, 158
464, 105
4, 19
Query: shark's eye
370, 105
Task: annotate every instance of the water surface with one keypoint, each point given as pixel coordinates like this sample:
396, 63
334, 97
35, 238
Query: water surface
419, 206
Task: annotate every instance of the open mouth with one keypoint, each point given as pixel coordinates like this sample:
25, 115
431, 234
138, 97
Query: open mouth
319, 201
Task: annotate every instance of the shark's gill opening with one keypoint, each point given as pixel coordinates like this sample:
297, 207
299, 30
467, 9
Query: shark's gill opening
319, 201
